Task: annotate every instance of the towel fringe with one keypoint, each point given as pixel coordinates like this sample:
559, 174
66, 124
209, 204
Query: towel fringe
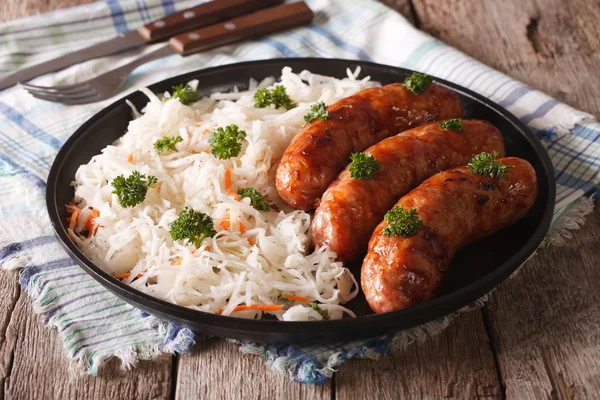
574, 220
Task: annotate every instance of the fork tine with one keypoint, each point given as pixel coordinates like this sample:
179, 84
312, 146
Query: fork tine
57, 88
88, 100
67, 100
81, 93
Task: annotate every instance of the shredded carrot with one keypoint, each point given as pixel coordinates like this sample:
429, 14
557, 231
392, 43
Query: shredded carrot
89, 224
228, 186
130, 158
259, 307
256, 307
126, 275
296, 298
225, 224
251, 241
96, 214
73, 219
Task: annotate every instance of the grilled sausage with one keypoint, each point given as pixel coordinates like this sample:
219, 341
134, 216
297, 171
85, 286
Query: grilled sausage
351, 208
457, 207
321, 149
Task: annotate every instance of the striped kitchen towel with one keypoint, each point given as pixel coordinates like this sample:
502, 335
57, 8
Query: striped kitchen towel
93, 324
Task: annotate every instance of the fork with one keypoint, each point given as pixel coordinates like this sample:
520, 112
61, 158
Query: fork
252, 25
96, 89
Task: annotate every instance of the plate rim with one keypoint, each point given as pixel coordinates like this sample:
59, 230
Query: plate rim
468, 293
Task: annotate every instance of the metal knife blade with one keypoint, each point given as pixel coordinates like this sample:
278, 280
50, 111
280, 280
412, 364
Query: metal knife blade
122, 42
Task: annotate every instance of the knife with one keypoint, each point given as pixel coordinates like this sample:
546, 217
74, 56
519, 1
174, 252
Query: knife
249, 26
155, 31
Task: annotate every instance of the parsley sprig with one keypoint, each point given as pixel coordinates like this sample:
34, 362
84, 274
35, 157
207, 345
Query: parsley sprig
257, 200
226, 142
487, 165
192, 226
454, 124
418, 83
132, 190
185, 93
318, 110
318, 309
363, 166
276, 96
402, 222
167, 143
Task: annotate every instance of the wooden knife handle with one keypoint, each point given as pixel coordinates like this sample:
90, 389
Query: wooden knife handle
249, 26
203, 15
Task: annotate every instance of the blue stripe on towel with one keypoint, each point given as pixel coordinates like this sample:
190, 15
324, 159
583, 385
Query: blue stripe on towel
116, 12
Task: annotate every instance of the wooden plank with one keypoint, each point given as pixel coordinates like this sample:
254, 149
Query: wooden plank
544, 333
402, 6
551, 45
13, 9
545, 322
217, 370
39, 368
9, 295
32, 361
458, 364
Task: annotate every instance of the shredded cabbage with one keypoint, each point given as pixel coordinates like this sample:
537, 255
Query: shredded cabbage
258, 257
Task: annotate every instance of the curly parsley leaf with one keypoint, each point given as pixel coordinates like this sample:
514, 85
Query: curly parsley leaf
318, 110
262, 98
192, 226
318, 309
132, 190
402, 222
226, 142
487, 165
257, 200
363, 166
454, 124
167, 143
185, 93
276, 96
418, 83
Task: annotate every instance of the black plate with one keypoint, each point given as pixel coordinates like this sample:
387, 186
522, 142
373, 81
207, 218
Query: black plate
474, 271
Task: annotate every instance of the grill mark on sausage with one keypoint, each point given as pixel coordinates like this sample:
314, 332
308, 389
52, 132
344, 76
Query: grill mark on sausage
350, 209
355, 123
463, 221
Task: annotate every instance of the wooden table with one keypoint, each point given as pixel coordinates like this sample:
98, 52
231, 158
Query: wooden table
538, 336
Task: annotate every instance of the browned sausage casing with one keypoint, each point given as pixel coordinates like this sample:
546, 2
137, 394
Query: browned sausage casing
321, 149
351, 208
457, 207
